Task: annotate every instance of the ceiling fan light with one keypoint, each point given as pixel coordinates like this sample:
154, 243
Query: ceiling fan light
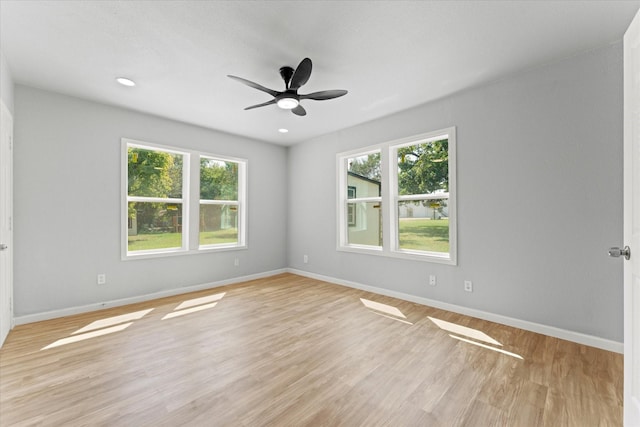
288, 103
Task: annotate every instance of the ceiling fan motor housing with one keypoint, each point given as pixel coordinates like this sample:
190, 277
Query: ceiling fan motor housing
286, 73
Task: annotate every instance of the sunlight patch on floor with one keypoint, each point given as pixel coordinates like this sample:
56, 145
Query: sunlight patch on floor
499, 350
390, 317
189, 310
378, 306
463, 330
114, 320
195, 305
200, 301
101, 327
88, 335
385, 310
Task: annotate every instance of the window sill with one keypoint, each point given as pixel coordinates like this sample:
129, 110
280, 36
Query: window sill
433, 257
179, 252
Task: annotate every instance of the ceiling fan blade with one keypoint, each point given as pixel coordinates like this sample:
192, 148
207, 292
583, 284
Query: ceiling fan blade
301, 75
325, 94
264, 104
299, 111
254, 85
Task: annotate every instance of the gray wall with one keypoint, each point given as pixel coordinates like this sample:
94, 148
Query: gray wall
67, 204
539, 197
6, 84
539, 200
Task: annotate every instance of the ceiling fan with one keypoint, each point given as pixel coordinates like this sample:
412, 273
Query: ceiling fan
290, 99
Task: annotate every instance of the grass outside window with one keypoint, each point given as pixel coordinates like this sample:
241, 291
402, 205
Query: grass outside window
424, 234
143, 242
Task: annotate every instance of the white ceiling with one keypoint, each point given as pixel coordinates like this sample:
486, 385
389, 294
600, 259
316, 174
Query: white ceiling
389, 55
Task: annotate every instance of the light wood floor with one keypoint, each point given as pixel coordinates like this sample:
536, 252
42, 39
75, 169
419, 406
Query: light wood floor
292, 351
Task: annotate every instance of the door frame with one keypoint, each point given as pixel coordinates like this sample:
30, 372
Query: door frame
6, 221
631, 223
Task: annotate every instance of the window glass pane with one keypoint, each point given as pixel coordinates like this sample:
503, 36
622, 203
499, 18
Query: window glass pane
424, 168
154, 226
218, 179
218, 224
154, 173
364, 223
423, 225
364, 176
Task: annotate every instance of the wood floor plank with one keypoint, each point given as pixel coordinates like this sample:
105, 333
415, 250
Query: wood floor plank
293, 351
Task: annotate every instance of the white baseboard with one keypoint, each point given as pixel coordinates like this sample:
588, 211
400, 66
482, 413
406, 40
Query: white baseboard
37, 317
552, 331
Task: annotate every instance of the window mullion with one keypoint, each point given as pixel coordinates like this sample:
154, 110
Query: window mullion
189, 188
432, 196
242, 204
364, 200
390, 170
155, 199
341, 213
219, 202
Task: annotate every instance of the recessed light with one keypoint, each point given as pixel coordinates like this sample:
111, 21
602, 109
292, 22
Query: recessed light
283, 130
125, 81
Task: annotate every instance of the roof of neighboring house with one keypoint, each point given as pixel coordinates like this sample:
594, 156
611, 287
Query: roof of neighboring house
364, 178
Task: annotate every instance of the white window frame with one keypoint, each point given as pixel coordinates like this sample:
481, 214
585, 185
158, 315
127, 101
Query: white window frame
390, 198
190, 202
240, 203
352, 219
343, 200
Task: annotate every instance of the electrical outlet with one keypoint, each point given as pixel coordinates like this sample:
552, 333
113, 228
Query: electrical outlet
102, 279
432, 280
305, 259
468, 286
236, 262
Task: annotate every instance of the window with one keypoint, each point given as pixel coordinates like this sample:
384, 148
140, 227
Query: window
398, 198
218, 202
421, 194
364, 216
160, 214
155, 203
